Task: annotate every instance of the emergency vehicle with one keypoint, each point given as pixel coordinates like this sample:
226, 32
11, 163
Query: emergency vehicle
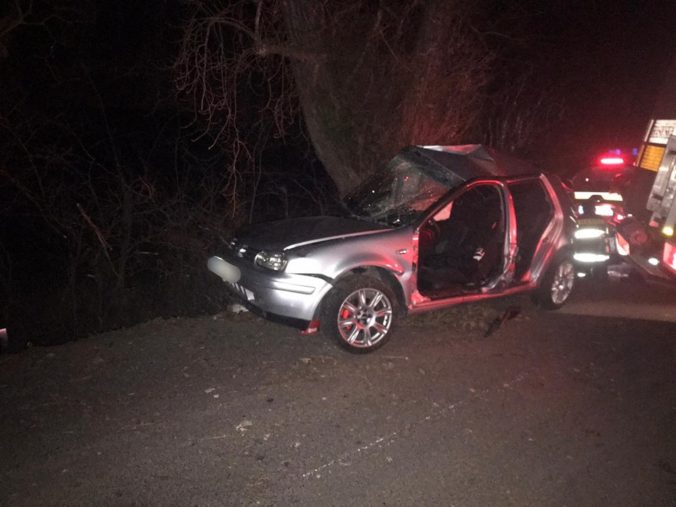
655, 185
599, 193
659, 154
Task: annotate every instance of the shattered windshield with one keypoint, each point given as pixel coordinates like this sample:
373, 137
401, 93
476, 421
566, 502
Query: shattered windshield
401, 192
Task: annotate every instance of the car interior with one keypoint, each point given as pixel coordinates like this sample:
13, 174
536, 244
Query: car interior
461, 245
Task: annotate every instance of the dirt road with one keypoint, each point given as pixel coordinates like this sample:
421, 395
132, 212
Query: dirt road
563, 408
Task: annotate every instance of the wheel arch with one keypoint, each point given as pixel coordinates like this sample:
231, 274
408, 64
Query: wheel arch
557, 255
383, 274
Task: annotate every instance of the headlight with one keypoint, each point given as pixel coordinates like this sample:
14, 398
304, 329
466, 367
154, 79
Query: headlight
589, 233
271, 260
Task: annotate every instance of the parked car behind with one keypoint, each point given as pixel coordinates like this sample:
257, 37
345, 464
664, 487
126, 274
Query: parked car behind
438, 226
607, 229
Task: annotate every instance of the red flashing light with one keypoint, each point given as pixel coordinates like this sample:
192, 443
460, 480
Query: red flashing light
611, 161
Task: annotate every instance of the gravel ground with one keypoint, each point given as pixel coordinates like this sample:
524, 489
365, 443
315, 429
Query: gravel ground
554, 408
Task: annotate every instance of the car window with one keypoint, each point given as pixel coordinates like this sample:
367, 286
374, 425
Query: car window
444, 213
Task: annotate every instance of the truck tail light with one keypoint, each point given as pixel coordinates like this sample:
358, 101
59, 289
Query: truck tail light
669, 256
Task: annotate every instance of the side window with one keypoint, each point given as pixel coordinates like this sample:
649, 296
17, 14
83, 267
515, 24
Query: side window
444, 213
534, 211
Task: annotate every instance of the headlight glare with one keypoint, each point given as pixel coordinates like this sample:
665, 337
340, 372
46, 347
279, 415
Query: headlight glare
589, 233
587, 257
271, 260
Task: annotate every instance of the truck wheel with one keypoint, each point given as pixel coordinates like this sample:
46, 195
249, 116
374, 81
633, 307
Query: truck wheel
557, 285
359, 312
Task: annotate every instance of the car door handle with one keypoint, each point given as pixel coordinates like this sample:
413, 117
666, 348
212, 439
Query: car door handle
402, 251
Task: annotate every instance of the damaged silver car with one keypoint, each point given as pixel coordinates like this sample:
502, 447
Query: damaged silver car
438, 226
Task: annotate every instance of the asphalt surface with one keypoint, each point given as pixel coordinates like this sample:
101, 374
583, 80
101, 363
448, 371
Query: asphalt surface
576, 407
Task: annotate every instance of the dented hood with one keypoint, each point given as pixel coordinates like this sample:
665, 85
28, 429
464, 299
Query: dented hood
289, 233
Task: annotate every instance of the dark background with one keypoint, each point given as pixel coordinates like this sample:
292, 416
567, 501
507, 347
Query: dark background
113, 189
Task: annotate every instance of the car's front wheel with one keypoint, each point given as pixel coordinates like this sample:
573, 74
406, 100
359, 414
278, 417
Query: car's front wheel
359, 312
557, 284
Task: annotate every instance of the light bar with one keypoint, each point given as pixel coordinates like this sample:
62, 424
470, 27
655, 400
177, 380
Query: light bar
611, 161
606, 196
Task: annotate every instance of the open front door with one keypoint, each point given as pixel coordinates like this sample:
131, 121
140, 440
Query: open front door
464, 245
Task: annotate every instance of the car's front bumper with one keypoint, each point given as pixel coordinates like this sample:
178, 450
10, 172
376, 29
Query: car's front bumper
293, 296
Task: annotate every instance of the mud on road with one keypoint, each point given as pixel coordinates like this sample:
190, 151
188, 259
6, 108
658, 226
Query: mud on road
560, 408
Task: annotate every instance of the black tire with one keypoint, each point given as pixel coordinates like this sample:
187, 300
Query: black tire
360, 313
557, 284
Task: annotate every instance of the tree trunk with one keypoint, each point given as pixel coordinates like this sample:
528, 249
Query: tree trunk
383, 80
323, 117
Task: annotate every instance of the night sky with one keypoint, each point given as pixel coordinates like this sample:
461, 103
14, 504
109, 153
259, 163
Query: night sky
602, 62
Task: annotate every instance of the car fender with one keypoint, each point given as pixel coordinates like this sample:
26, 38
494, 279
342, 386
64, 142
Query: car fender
392, 252
397, 278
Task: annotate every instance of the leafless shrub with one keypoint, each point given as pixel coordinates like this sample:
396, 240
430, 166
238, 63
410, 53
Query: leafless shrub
50, 17
121, 224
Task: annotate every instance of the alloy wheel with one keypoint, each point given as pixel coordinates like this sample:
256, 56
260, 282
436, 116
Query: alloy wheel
562, 284
364, 318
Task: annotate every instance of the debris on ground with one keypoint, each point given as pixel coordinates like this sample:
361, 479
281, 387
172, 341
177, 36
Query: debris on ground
508, 314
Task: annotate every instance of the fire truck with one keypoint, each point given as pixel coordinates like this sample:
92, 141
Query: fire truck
658, 155
654, 186
656, 162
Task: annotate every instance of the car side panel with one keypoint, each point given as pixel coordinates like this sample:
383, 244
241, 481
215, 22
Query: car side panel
557, 236
393, 250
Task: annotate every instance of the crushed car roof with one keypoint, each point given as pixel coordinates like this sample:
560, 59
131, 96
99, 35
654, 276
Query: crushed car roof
471, 160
